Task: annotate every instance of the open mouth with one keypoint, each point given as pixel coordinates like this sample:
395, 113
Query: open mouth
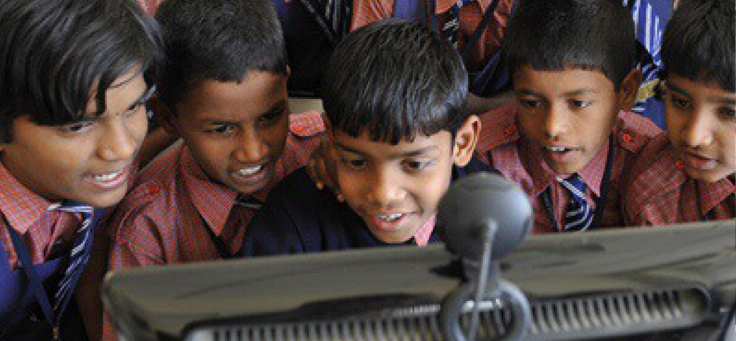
107, 177
389, 217
248, 171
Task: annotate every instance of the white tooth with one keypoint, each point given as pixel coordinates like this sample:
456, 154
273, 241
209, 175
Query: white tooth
250, 170
389, 217
106, 177
557, 149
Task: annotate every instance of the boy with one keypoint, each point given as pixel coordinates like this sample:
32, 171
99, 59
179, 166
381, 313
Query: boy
568, 141
690, 175
398, 133
223, 90
72, 119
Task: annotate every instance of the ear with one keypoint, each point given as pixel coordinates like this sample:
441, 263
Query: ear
465, 141
629, 89
163, 115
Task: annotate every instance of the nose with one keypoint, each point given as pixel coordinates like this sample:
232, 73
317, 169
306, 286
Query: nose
384, 190
555, 122
121, 139
250, 147
696, 131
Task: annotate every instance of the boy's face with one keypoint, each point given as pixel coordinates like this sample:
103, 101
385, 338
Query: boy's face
701, 121
396, 188
236, 131
88, 161
567, 115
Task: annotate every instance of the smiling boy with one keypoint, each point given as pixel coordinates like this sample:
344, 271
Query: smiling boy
72, 120
399, 132
223, 91
687, 174
568, 140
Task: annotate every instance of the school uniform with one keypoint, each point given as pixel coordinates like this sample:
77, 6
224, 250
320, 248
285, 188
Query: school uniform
503, 146
488, 74
661, 192
36, 231
299, 218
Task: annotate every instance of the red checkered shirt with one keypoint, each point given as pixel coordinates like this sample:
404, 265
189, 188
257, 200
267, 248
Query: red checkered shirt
504, 147
661, 192
45, 232
368, 11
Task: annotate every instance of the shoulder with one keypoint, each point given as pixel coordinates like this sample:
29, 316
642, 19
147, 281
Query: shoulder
151, 201
653, 179
498, 128
633, 131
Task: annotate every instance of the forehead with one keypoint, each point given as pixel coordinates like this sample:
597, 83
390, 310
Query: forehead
561, 82
435, 144
259, 92
708, 91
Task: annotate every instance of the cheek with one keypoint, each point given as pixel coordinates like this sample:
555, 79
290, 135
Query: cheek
211, 153
350, 184
729, 138
139, 127
429, 190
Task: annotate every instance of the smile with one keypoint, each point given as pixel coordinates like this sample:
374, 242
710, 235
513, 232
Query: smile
559, 149
107, 177
389, 217
249, 170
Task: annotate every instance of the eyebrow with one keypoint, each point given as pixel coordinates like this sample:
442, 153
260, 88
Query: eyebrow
410, 153
276, 108
567, 94
717, 99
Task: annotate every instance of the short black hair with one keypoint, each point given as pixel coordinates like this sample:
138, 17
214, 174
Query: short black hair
54, 53
587, 34
395, 79
217, 40
699, 40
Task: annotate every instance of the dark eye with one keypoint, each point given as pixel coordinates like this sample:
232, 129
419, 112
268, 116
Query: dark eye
415, 165
354, 163
530, 103
727, 113
579, 104
679, 103
134, 109
76, 127
270, 117
222, 129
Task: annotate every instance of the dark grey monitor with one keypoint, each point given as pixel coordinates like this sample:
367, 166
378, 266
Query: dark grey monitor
663, 283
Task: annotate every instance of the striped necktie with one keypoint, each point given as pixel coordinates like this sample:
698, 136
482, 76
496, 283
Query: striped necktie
449, 30
248, 201
578, 214
78, 257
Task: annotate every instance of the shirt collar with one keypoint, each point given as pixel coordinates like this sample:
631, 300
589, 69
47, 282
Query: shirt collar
713, 193
591, 173
422, 235
212, 200
21, 206
442, 6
